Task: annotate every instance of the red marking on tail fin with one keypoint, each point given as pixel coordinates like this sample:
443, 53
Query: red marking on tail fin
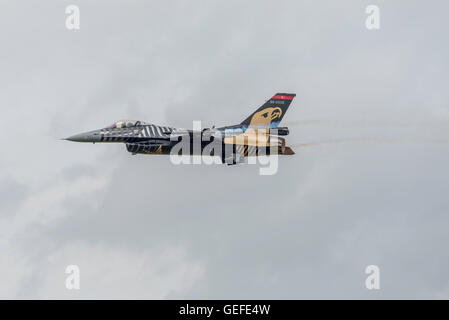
283, 97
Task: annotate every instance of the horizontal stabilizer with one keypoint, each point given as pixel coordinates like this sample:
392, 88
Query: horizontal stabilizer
288, 151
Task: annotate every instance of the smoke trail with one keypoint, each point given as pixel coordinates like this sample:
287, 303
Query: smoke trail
365, 122
375, 140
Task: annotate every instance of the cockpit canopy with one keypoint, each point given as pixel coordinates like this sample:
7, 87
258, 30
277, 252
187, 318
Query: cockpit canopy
124, 124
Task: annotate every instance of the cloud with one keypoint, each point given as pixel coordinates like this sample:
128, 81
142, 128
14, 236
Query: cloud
114, 273
140, 227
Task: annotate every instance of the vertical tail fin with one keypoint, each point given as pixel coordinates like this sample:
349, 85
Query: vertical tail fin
270, 114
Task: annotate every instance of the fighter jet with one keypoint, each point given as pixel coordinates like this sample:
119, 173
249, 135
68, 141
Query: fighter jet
259, 134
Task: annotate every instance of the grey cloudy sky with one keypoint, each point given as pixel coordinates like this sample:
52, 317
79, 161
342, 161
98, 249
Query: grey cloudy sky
140, 227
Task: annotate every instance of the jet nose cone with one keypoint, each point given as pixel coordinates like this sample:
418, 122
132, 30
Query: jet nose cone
78, 138
91, 136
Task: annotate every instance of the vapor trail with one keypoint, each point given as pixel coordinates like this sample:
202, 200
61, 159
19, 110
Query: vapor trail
365, 122
378, 140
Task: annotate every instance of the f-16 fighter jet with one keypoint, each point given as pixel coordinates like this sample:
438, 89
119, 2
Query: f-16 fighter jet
259, 134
